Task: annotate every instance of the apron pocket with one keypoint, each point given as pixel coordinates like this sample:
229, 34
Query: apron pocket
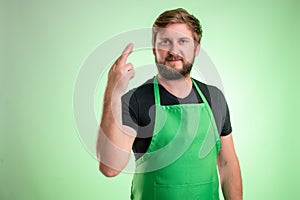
198, 191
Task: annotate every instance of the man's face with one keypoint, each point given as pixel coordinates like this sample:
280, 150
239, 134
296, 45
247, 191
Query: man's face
175, 51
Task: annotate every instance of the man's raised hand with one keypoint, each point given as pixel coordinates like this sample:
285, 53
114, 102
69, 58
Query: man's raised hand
121, 72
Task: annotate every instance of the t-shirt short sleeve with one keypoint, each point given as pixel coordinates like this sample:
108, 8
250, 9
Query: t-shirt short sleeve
220, 110
130, 110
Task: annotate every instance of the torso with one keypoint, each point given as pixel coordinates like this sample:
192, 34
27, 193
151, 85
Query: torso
140, 114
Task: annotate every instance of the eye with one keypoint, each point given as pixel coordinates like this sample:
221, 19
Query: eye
183, 41
165, 42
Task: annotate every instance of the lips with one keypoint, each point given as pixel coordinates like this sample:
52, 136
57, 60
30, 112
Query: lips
173, 58
173, 61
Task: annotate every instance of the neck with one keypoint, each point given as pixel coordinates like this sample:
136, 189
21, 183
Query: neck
180, 88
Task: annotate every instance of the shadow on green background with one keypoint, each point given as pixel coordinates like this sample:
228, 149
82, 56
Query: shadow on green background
254, 44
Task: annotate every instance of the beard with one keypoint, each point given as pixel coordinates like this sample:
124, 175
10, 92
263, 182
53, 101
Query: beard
172, 74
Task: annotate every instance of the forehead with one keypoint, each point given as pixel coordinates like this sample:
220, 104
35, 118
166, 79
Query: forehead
175, 30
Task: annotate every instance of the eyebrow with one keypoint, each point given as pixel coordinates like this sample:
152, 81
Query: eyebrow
164, 37
186, 38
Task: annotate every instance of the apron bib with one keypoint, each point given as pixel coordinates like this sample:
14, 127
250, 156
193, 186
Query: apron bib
181, 161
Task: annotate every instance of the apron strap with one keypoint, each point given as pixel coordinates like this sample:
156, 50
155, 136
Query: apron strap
200, 93
207, 106
157, 96
156, 91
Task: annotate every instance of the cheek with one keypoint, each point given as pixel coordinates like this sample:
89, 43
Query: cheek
189, 54
161, 54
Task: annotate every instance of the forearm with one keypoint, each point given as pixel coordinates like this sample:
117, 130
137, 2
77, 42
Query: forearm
112, 159
231, 181
111, 120
114, 142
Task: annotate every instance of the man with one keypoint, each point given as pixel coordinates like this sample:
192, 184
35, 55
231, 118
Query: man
178, 127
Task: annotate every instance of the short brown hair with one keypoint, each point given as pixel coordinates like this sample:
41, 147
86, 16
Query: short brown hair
178, 15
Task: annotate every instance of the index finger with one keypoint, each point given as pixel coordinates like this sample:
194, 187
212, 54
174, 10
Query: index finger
126, 52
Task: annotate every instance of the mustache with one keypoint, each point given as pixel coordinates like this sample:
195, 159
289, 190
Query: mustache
171, 57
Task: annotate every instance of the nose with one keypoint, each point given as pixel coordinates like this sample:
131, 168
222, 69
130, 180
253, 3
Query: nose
174, 49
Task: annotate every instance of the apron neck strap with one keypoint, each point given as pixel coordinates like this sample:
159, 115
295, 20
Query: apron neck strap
207, 106
156, 91
200, 93
157, 95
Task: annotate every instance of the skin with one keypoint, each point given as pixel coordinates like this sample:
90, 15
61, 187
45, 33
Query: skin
229, 170
115, 141
176, 40
175, 47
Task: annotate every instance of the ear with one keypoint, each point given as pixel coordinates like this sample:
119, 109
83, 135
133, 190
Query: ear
154, 51
197, 49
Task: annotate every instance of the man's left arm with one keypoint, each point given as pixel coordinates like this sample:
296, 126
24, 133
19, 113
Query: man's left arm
229, 170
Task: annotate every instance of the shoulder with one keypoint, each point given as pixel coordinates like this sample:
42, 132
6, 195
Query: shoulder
141, 92
211, 92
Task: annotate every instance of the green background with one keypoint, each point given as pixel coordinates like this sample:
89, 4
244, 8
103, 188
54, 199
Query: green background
254, 45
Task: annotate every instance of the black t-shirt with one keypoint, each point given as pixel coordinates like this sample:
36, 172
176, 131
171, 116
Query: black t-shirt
138, 110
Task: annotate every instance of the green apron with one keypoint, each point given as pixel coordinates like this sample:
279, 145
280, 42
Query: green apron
180, 162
